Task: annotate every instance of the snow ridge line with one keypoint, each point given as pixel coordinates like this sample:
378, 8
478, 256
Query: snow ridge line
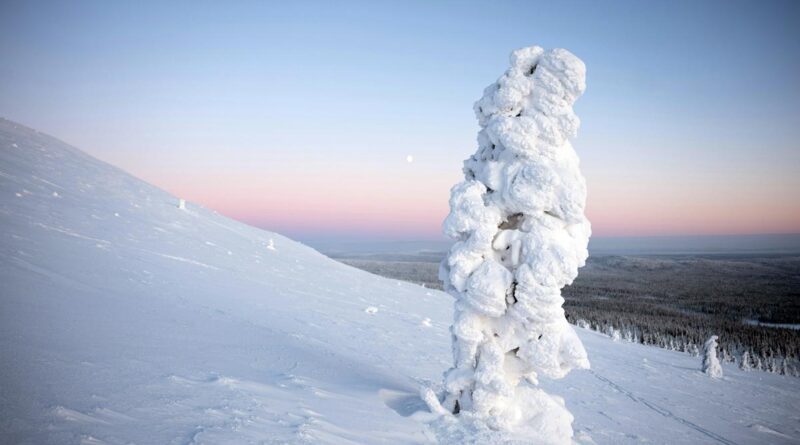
663, 411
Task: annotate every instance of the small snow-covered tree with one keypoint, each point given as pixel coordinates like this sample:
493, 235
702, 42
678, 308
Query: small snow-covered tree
521, 235
744, 363
772, 364
628, 336
711, 364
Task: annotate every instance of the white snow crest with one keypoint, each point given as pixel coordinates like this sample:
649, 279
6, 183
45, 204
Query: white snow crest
521, 235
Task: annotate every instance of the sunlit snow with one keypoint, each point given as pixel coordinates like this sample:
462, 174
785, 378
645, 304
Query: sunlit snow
123, 319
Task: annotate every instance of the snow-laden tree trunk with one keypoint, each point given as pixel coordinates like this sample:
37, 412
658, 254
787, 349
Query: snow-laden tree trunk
521, 235
711, 364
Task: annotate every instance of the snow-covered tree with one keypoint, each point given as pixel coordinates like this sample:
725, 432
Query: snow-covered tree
772, 364
744, 363
628, 335
711, 364
521, 235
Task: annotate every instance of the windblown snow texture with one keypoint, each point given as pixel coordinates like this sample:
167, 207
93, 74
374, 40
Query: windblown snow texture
521, 235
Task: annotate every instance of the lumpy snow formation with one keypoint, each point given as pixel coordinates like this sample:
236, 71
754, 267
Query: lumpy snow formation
521, 235
711, 364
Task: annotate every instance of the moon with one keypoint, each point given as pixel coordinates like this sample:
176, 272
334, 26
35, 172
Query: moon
410, 159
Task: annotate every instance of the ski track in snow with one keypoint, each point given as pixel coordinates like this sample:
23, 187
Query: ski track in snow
662, 411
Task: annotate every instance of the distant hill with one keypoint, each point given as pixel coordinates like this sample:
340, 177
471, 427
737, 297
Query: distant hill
435, 250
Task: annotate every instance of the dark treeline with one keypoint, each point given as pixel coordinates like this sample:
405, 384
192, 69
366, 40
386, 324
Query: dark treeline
674, 302
678, 302
418, 272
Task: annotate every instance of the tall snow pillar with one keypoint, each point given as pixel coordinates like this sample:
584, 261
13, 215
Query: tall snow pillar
520, 235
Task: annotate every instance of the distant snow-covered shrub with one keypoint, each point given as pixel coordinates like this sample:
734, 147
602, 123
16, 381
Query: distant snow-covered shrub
744, 363
711, 365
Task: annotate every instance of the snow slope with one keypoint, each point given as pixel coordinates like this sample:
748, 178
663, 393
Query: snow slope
124, 319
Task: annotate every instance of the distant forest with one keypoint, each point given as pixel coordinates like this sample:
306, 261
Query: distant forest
678, 302
674, 302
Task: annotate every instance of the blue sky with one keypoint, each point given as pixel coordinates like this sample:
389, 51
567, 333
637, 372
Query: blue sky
274, 113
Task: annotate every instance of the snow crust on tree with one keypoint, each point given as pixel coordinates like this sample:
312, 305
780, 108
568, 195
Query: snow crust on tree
744, 364
711, 365
521, 235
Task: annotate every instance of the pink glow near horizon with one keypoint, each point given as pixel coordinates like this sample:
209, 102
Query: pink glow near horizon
385, 204
323, 201
303, 124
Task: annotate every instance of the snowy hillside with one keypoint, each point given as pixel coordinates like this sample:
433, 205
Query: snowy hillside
124, 319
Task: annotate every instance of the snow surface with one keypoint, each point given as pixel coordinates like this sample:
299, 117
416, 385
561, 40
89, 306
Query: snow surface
124, 319
764, 324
